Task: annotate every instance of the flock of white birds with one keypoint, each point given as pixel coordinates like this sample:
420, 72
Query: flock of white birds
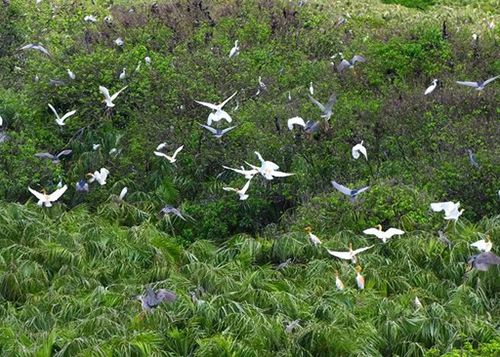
267, 169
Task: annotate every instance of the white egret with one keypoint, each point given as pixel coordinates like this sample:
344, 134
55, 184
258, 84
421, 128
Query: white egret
147, 59
360, 280
450, 209
109, 99
483, 245
119, 42
217, 112
235, 51
45, 199
380, 234
123, 74
247, 173
311, 88
431, 88
350, 255
240, 191
99, 176
478, 85
218, 133
269, 169
296, 121
60, 120
347, 191
123, 192
71, 75
312, 237
357, 149
172, 158
417, 303
338, 283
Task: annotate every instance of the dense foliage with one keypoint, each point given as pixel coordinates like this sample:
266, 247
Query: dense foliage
68, 274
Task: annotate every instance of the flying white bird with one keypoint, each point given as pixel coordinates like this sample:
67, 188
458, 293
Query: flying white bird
478, 85
431, 88
311, 88
123, 193
241, 192
450, 209
99, 176
483, 245
380, 234
269, 169
247, 173
217, 112
44, 199
109, 99
60, 120
312, 237
296, 121
347, 191
235, 51
71, 75
350, 255
218, 133
326, 109
123, 74
37, 47
357, 149
338, 283
172, 158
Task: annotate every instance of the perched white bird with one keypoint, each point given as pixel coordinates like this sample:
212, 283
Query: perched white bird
450, 209
119, 42
480, 85
380, 234
431, 88
123, 74
338, 283
247, 173
357, 149
360, 280
99, 176
44, 199
350, 255
172, 158
90, 18
269, 169
241, 192
296, 121
483, 245
312, 237
147, 59
71, 75
417, 303
262, 84
217, 112
60, 120
109, 99
123, 193
235, 51
311, 88
96, 146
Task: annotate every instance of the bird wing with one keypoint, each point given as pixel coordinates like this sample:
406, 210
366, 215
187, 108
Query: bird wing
209, 105
230, 189
166, 295
468, 84
490, 80
105, 92
394, 231
357, 251
45, 155
37, 194
41, 49
442, 206
209, 128
355, 151
296, 121
245, 188
67, 115
123, 193
54, 110
341, 255
318, 104
64, 153
331, 101
221, 105
343, 65
113, 97
54, 196
373, 231
218, 115
224, 131
158, 153
259, 156
161, 146
358, 59
281, 174
177, 151
27, 47
363, 189
341, 188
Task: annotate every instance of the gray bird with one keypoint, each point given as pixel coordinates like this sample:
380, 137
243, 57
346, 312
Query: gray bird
478, 85
151, 299
82, 186
55, 158
290, 326
285, 264
347, 191
482, 261
472, 158
37, 47
218, 133
326, 109
349, 64
444, 239
168, 209
56, 82
311, 126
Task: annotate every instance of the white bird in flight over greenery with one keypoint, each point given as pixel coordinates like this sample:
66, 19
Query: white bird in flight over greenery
172, 158
45, 199
350, 255
60, 120
217, 112
431, 88
380, 234
450, 209
218, 133
99, 176
247, 173
347, 191
37, 47
478, 85
269, 169
235, 51
109, 99
241, 192
326, 109
357, 149
483, 245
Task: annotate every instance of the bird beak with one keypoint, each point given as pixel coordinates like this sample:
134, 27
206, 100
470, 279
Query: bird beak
308, 229
468, 268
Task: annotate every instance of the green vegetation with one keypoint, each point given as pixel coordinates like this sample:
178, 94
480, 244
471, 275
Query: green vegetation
69, 273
